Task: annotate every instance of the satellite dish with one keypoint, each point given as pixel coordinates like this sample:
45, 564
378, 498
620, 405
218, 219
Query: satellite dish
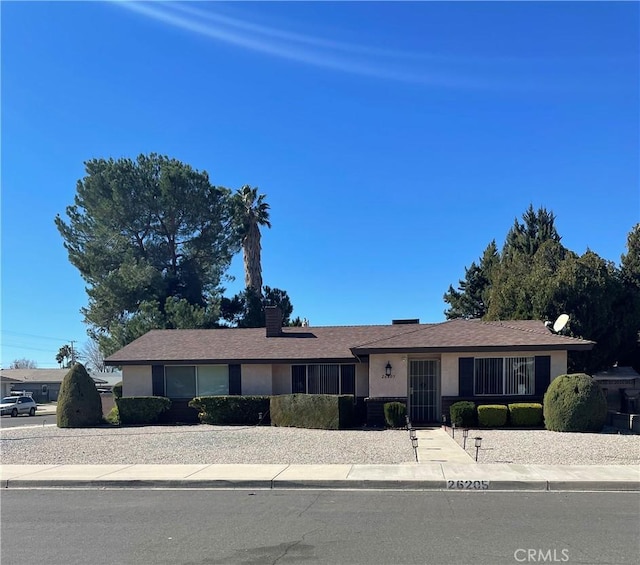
560, 323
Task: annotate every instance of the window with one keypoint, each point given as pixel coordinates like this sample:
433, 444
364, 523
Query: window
323, 379
504, 376
189, 381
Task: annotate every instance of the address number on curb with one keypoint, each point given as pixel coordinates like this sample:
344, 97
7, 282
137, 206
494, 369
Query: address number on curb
468, 485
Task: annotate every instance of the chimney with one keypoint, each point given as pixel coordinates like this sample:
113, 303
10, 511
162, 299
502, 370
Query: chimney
273, 319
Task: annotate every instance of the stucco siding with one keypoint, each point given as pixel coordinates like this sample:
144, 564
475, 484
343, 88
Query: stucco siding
382, 386
281, 379
257, 379
362, 379
136, 380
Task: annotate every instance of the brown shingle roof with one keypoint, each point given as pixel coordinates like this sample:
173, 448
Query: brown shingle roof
336, 343
39, 375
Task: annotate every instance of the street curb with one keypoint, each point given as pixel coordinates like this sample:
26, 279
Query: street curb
319, 484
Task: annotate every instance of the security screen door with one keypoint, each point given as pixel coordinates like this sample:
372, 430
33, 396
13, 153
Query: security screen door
424, 390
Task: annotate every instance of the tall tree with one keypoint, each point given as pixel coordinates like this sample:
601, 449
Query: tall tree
23, 363
150, 232
527, 236
470, 300
536, 277
65, 356
250, 212
630, 269
246, 309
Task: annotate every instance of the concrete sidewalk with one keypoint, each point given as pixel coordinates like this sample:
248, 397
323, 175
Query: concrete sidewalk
442, 465
431, 476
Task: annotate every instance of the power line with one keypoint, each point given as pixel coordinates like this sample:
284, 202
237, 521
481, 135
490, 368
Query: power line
36, 336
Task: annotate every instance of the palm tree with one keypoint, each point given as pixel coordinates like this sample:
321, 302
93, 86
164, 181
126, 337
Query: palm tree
251, 212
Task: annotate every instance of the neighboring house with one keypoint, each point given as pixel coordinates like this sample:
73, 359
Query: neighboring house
621, 386
428, 366
6, 384
44, 384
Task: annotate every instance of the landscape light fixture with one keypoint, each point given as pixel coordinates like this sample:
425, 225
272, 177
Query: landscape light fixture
478, 441
453, 430
444, 420
414, 444
412, 433
465, 435
387, 369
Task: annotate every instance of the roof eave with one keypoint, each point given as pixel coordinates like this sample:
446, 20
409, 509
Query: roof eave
471, 348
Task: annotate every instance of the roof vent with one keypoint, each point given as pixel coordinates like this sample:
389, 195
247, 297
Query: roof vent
406, 321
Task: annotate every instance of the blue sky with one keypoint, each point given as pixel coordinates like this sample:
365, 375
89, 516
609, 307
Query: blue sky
393, 140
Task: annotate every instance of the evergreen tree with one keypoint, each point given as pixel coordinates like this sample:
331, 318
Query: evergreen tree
152, 239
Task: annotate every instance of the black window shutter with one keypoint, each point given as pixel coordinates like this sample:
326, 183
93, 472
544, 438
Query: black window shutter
465, 376
157, 380
235, 380
543, 373
298, 379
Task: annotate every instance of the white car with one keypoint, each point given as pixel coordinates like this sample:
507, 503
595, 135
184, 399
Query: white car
15, 405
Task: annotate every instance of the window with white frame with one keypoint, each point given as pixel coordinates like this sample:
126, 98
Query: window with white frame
189, 381
504, 376
323, 379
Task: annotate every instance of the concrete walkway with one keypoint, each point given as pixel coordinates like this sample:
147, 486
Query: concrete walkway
442, 465
435, 445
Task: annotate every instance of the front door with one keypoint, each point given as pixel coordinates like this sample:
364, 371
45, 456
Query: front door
424, 390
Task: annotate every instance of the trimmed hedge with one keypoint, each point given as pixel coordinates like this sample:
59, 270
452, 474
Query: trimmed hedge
574, 403
116, 390
318, 411
231, 409
526, 414
492, 415
463, 414
394, 414
141, 409
79, 402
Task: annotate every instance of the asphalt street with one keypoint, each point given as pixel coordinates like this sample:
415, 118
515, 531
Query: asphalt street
212, 527
37, 420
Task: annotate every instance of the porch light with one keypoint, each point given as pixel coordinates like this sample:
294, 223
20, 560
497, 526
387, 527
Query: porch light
465, 435
387, 369
478, 442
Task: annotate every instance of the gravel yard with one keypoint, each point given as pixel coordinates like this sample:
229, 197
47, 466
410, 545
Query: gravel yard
235, 444
201, 444
542, 447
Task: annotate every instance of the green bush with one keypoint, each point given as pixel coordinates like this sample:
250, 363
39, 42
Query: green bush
526, 414
394, 414
231, 409
79, 402
463, 414
574, 403
141, 409
117, 390
319, 411
113, 417
492, 415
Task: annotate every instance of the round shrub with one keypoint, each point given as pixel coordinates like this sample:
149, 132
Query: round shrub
463, 414
574, 403
79, 403
394, 414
